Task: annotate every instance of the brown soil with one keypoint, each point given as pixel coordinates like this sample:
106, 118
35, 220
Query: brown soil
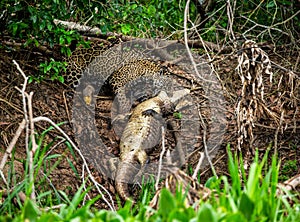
53, 99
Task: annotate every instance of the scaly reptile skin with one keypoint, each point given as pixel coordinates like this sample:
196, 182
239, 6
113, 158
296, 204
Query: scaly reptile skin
141, 134
109, 63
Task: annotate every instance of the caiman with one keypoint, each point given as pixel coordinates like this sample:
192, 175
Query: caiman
141, 134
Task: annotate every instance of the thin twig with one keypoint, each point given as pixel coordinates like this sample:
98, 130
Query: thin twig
67, 108
230, 16
28, 116
111, 206
198, 165
186, 13
262, 26
277, 131
24, 105
33, 144
11, 105
205, 145
292, 183
162, 153
12, 144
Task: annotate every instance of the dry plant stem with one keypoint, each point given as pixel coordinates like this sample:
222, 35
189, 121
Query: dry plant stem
198, 165
215, 162
285, 69
230, 15
178, 142
28, 116
268, 28
111, 205
88, 31
11, 105
24, 104
81, 28
205, 145
12, 144
53, 207
66, 106
34, 146
292, 183
83, 179
277, 131
21, 195
10, 148
213, 70
160, 157
24, 124
186, 12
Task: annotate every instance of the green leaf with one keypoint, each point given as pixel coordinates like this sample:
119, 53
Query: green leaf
151, 10
125, 28
177, 115
48, 68
271, 4
49, 26
246, 206
61, 40
73, 167
30, 79
133, 6
69, 39
178, 215
36, 42
211, 182
167, 203
53, 156
61, 79
34, 18
51, 216
207, 213
236, 217
15, 29
30, 211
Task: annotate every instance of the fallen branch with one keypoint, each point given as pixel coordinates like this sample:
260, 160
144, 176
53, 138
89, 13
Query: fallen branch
28, 115
289, 185
10, 148
88, 30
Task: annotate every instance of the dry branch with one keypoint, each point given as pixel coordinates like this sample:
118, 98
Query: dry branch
94, 31
253, 64
29, 121
291, 183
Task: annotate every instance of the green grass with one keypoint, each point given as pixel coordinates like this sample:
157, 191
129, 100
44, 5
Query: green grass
239, 197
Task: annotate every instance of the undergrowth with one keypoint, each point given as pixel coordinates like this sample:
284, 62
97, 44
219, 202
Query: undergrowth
242, 196
32, 22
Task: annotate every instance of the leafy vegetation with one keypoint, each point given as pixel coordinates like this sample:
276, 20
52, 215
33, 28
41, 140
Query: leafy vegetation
288, 169
270, 20
44, 164
32, 22
251, 197
240, 197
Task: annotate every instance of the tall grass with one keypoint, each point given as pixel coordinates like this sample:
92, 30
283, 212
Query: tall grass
251, 196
